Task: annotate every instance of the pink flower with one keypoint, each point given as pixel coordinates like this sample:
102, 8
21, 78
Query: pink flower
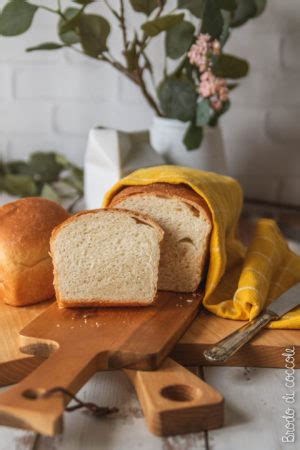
201, 52
213, 88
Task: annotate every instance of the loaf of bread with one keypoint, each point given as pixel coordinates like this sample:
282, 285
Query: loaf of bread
106, 257
26, 271
186, 221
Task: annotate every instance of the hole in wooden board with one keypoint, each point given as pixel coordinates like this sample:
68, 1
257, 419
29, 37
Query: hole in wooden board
179, 392
33, 394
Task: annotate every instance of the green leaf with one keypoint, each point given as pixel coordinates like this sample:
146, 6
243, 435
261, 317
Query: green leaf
260, 6
62, 161
212, 22
18, 168
226, 28
229, 66
228, 5
246, 10
94, 31
67, 30
178, 98
194, 6
164, 23
16, 17
49, 193
203, 113
45, 46
84, 2
74, 182
23, 185
44, 166
193, 137
179, 39
144, 6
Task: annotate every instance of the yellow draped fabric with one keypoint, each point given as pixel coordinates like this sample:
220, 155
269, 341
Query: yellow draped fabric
240, 281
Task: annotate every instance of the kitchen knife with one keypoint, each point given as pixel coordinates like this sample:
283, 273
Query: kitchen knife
232, 343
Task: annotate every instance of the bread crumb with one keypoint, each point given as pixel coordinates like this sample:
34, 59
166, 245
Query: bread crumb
189, 300
57, 325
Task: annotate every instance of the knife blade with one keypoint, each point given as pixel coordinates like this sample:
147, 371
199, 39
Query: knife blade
287, 301
232, 343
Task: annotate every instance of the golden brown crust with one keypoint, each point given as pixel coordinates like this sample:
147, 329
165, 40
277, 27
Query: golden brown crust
139, 216
25, 266
179, 191
105, 303
82, 303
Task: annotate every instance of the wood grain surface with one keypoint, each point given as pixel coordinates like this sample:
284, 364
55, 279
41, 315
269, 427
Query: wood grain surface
84, 341
163, 392
265, 350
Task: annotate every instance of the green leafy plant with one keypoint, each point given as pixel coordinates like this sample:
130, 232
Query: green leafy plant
48, 175
181, 93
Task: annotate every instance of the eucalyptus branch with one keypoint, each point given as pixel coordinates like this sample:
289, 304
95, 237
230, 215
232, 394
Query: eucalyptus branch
111, 9
146, 39
53, 11
147, 94
123, 25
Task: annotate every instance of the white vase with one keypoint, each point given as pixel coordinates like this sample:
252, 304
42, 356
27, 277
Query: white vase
166, 137
111, 155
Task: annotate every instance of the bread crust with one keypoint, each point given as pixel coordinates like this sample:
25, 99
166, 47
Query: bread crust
26, 273
105, 303
179, 191
139, 216
83, 303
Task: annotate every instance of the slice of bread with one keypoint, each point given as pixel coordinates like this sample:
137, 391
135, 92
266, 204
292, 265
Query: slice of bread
186, 220
106, 257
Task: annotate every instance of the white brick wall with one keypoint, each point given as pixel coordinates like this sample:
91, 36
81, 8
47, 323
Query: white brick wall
49, 100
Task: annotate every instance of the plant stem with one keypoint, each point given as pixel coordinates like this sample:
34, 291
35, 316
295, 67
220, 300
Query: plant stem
54, 11
136, 75
123, 25
111, 9
147, 94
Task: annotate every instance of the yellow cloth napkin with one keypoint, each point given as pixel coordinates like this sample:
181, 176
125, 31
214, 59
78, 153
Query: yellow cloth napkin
240, 281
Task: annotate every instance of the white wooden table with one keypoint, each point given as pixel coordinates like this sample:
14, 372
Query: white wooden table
254, 409
253, 416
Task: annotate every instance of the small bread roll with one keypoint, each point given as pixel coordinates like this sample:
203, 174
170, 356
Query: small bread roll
26, 271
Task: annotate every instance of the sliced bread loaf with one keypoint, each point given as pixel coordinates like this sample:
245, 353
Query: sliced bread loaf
106, 257
186, 220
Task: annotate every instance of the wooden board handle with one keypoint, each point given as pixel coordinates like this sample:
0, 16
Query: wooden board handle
175, 401
21, 407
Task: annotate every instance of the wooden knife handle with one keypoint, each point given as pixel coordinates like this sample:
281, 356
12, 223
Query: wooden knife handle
175, 401
23, 406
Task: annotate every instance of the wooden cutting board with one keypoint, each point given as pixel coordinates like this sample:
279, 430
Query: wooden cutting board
206, 330
265, 350
174, 400
82, 342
